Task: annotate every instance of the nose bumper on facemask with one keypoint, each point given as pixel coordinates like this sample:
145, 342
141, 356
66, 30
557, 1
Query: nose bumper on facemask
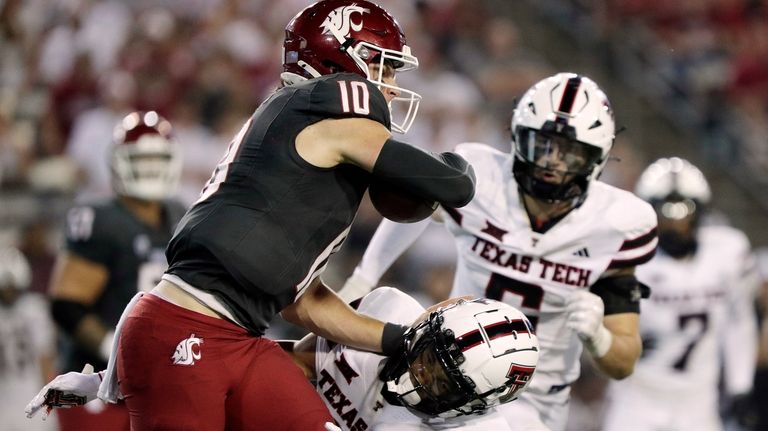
403, 386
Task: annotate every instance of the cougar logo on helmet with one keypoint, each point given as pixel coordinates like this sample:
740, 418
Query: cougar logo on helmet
339, 21
378, 40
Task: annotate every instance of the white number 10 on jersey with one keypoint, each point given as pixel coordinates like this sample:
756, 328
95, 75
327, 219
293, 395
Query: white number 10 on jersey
355, 95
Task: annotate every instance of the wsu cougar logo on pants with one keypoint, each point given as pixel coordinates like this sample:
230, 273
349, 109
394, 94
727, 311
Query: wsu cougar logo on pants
188, 351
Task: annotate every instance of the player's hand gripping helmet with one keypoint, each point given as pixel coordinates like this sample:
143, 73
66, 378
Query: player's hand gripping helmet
145, 161
562, 131
679, 192
463, 359
333, 36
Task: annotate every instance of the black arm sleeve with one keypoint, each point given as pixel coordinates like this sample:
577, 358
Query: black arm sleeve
620, 294
446, 177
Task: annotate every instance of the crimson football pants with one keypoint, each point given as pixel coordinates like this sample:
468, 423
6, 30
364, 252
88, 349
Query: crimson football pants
95, 416
182, 370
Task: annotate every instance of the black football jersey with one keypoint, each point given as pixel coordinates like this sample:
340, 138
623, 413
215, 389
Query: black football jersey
107, 233
267, 221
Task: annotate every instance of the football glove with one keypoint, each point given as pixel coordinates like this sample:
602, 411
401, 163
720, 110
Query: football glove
585, 317
65, 391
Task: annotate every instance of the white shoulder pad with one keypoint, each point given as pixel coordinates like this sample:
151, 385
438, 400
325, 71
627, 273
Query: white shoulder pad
733, 245
630, 214
481, 154
493, 168
466, 149
632, 218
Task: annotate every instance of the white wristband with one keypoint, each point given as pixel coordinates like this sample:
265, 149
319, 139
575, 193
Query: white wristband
599, 345
105, 348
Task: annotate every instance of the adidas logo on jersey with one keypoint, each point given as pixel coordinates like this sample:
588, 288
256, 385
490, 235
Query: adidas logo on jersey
582, 252
188, 351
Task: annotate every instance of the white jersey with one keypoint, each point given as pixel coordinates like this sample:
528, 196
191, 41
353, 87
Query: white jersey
699, 318
501, 257
348, 379
26, 334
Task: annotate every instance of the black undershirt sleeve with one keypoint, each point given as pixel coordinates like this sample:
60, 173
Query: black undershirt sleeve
445, 177
620, 294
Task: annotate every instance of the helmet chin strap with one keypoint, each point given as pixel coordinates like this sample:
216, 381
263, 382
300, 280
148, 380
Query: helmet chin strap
290, 78
403, 386
309, 69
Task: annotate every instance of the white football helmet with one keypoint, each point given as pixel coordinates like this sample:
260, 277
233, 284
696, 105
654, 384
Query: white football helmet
145, 161
564, 124
679, 192
463, 359
673, 176
14, 269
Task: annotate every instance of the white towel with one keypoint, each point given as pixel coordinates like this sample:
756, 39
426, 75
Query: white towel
109, 390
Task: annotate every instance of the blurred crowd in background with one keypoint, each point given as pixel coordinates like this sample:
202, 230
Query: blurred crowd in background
700, 62
70, 69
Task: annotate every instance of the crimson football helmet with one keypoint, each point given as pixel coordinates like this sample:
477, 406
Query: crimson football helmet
333, 36
563, 127
145, 161
463, 359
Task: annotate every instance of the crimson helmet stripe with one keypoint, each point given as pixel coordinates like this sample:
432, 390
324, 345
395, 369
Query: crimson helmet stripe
493, 331
569, 95
469, 340
502, 329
